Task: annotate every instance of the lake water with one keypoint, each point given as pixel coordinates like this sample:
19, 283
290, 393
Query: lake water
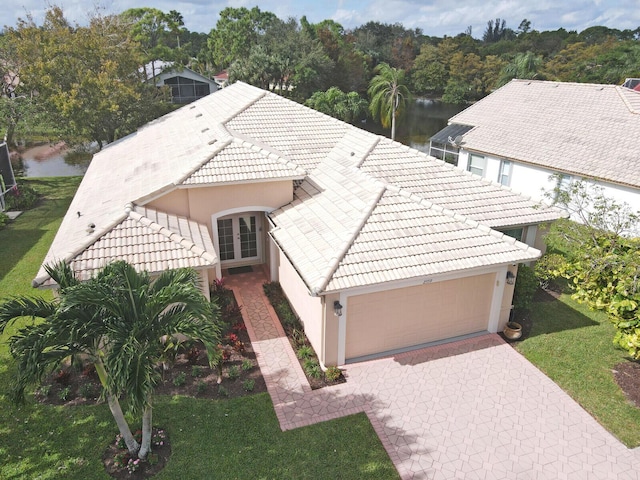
54, 161
424, 118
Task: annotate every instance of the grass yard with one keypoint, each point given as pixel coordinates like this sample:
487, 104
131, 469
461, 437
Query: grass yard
234, 439
573, 346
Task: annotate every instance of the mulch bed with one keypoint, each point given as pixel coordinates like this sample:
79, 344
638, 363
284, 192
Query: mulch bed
627, 374
159, 456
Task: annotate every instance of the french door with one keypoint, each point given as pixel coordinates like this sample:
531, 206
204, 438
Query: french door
239, 238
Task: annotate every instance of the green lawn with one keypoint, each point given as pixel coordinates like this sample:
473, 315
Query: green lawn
573, 346
227, 439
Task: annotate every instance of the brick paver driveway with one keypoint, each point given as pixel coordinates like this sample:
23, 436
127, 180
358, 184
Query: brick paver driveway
474, 409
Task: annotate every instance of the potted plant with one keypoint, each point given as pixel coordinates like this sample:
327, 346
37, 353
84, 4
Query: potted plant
512, 330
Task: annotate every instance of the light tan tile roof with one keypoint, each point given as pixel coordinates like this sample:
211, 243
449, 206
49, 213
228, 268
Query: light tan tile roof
581, 129
344, 230
241, 161
244, 134
461, 192
299, 133
149, 240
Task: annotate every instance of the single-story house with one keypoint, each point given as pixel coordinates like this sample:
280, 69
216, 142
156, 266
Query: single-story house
378, 247
534, 136
186, 85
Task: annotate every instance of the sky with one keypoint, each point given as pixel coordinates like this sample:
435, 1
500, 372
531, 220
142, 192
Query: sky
434, 17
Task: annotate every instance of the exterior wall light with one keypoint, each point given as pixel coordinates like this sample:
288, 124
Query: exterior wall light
337, 308
511, 278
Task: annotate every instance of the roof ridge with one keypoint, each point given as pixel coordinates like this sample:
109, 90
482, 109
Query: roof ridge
268, 152
335, 263
246, 106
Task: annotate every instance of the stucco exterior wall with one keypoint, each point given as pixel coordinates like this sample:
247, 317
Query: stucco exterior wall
308, 308
200, 203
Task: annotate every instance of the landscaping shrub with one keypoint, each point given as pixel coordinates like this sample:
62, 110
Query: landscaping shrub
86, 390
4, 219
249, 384
201, 386
312, 368
222, 391
526, 286
23, 197
247, 365
196, 371
64, 394
180, 379
548, 270
233, 372
332, 374
304, 352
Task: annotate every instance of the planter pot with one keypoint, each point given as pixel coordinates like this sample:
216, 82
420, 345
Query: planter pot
512, 330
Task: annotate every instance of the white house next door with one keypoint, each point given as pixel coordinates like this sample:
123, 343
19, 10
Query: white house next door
239, 238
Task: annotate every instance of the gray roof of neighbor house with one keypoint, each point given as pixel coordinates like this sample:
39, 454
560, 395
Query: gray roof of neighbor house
582, 129
367, 210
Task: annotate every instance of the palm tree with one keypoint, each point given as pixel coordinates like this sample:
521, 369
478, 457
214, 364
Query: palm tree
140, 312
58, 334
523, 66
117, 320
389, 95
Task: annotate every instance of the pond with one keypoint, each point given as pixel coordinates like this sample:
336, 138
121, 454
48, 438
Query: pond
424, 118
55, 160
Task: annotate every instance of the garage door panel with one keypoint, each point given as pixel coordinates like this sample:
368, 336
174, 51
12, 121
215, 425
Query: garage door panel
400, 318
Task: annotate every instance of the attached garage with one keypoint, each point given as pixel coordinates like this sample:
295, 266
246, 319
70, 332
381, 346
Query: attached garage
404, 317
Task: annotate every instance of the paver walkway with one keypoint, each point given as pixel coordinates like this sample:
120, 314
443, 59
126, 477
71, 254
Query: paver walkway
474, 409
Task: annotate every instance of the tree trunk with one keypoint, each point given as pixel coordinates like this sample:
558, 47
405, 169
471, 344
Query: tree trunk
123, 426
147, 428
116, 410
393, 117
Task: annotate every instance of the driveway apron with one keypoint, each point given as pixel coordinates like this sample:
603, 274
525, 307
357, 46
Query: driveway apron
473, 409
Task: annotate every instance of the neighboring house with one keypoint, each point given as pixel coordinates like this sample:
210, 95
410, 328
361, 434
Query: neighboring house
221, 78
378, 247
534, 136
186, 85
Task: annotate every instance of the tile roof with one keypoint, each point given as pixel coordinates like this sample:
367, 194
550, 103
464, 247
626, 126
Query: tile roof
461, 192
240, 161
581, 129
365, 209
149, 240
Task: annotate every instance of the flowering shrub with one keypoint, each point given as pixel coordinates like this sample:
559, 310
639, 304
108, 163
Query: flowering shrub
239, 327
158, 438
120, 459
133, 465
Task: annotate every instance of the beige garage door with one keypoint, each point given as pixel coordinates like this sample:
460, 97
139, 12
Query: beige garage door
404, 317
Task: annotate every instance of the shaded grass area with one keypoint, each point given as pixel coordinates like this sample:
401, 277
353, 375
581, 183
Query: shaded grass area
573, 346
237, 438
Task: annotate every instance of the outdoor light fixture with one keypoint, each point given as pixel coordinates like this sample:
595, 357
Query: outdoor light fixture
511, 278
337, 308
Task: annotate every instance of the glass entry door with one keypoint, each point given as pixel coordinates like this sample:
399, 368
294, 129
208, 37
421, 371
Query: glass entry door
239, 238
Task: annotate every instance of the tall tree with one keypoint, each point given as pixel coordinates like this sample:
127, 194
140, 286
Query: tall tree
237, 31
388, 96
524, 65
88, 77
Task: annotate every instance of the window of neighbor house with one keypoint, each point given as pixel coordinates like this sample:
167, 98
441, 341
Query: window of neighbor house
504, 177
477, 164
516, 233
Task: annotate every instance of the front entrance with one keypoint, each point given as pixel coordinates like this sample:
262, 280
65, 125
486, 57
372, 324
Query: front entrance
239, 239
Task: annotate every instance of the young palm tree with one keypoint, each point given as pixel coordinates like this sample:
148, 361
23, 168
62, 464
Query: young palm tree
118, 320
389, 95
523, 66
55, 334
140, 312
